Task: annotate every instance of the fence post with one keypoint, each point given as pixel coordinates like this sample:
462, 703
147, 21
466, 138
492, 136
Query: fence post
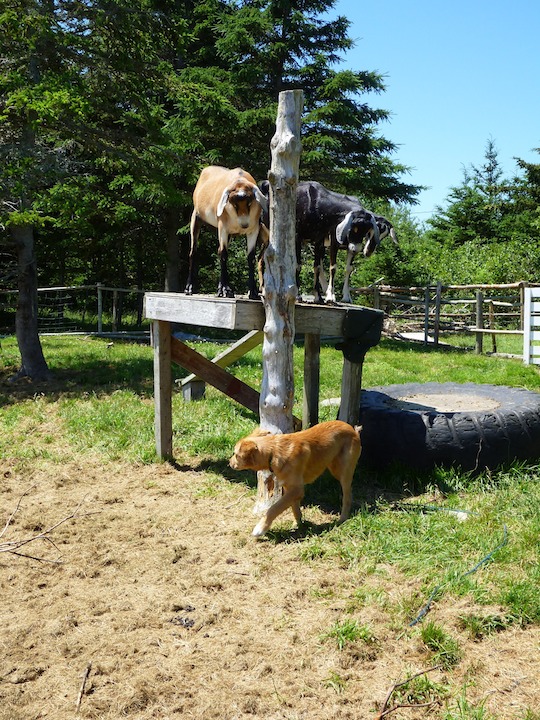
115, 311
522, 287
479, 321
491, 309
426, 315
437, 319
99, 308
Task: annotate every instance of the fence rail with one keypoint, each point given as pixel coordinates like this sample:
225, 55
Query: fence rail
81, 308
479, 310
475, 309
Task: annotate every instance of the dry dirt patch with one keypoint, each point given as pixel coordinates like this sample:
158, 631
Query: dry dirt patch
181, 614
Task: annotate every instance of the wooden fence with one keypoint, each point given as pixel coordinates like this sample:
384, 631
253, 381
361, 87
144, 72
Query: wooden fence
476, 309
81, 308
484, 311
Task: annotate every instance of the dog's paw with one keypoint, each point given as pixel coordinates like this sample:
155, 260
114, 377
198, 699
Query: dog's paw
259, 531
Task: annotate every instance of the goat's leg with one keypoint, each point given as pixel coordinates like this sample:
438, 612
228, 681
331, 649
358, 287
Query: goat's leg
322, 273
251, 245
317, 262
298, 248
348, 270
263, 239
331, 290
191, 281
224, 289
323, 279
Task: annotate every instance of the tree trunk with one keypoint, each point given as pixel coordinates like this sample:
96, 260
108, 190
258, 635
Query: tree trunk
33, 363
279, 293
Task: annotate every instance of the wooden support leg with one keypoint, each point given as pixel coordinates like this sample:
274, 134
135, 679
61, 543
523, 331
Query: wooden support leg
351, 387
161, 332
193, 387
312, 349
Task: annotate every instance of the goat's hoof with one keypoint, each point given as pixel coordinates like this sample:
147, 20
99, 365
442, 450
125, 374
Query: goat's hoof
225, 291
189, 290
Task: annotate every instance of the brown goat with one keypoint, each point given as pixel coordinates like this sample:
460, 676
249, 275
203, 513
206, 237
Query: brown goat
230, 201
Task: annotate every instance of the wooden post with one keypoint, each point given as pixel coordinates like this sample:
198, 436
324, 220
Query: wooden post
522, 315
99, 308
479, 321
426, 316
312, 362
115, 311
351, 389
279, 293
491, 309
161, 338
437, 320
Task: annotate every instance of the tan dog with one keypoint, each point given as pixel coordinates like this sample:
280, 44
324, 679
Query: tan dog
297, 459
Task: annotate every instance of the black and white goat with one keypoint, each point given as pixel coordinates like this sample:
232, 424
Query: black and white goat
353, 249
230, 201
322, 213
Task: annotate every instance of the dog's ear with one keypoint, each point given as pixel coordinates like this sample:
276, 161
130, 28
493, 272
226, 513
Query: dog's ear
259, 432
248, 449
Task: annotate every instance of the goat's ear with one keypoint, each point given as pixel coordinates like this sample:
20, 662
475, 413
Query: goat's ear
261, 199
393, 235
343, 229
376, 231
222, 202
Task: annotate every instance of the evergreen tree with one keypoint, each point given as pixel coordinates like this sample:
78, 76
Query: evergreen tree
478, 208
110, 108
526, 196
274, 45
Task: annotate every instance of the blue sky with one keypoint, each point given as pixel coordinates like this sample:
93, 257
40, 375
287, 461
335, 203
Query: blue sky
456, 74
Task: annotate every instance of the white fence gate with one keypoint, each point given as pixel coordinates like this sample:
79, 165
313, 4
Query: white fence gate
531, 326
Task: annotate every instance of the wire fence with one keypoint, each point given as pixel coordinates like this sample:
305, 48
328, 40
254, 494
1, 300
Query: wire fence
80, 309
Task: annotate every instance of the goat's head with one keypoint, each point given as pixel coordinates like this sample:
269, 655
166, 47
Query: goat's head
242, 196
356, 227
385, 228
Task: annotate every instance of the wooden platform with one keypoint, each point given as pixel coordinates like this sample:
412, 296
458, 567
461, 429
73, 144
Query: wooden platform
357, 327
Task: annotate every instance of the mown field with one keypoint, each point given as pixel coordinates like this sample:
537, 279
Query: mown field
132, 588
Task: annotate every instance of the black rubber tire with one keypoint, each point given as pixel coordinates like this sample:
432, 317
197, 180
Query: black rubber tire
421, 436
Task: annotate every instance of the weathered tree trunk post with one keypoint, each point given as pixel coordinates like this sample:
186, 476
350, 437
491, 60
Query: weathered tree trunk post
279, 294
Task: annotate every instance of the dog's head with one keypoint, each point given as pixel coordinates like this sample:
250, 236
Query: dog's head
245, 455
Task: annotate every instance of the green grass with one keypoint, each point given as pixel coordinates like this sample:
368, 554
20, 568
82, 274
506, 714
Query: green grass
349, 631
100, 401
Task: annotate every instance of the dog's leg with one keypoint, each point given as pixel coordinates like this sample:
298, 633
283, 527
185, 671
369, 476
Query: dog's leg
297, 512
290, 499
342, 468
346, 502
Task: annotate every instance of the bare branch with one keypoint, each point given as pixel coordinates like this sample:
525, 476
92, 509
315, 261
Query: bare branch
10, 518
83, 685
386, 710
14, 546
